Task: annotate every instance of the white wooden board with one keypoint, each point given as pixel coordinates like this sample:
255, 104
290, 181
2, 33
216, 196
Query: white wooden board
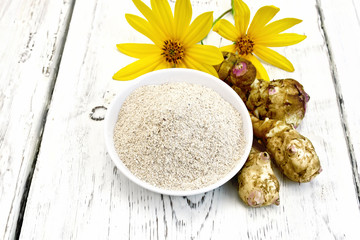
342, 27
77, 193
31, 36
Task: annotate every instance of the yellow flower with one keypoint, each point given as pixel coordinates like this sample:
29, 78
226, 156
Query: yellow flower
175, 40
256, 38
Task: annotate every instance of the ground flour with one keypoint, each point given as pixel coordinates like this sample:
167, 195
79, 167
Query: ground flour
178, 136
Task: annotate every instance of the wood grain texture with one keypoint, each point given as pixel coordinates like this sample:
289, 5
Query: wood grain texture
32, 36
342, 30
77, 192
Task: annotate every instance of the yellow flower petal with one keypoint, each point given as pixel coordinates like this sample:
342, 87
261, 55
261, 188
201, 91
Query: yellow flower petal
162, 65
198, 29
138, 68
278, 26
261, 18
143, 26
225, 29
190, 63
205, 54
181, 65
138, 50
162, 9
228, 48
260, 70
273, 58
182, 18
153, 19
211, 70
241, 16
281, 40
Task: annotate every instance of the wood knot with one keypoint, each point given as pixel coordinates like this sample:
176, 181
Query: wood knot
98, 113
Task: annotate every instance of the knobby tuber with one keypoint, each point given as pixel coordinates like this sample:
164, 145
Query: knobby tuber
293, 153
283, 99
236, 71
258, 185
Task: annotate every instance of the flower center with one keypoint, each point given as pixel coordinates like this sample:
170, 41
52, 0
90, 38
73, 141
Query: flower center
173, 51
244, 45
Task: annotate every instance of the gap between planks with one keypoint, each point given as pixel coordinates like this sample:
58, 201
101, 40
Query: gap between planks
340, 101
25, 194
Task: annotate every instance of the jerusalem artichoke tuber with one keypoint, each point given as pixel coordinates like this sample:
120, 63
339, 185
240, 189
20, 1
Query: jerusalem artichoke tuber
293, 153
237, 71
283, 99
258, 185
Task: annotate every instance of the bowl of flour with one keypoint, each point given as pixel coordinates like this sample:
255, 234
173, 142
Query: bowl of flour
178, 132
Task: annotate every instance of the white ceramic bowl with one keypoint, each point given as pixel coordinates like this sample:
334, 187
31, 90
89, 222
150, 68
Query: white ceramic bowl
177, 75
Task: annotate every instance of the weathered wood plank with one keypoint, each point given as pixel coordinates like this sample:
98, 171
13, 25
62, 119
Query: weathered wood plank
342, 28
32, 37
77, 192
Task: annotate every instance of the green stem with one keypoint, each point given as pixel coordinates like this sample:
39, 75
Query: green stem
232, 7
221, 16
216, 20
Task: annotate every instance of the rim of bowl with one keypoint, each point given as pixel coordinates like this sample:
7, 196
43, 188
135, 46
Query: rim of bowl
167, 76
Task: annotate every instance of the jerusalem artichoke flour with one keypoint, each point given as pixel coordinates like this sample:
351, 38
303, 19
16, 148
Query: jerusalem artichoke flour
178, 136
